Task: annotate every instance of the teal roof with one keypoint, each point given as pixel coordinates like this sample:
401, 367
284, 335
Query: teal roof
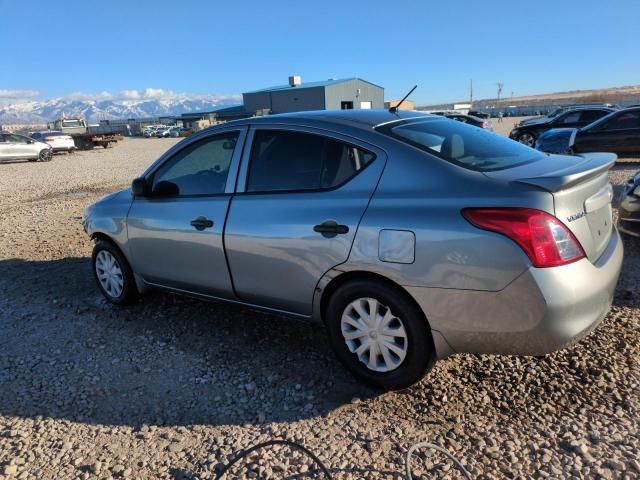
324, 83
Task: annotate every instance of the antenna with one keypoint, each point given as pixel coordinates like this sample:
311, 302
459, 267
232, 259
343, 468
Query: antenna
396, 107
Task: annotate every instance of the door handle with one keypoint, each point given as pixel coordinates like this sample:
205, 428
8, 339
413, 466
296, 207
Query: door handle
201, 223
330, 227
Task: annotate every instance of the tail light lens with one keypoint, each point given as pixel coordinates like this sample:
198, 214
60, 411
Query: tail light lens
49, 139
485, 124
544, 238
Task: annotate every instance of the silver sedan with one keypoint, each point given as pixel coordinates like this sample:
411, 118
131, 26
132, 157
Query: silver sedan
18, 147
410, 236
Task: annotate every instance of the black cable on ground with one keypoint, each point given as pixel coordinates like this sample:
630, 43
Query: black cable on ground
325, 470
294, 445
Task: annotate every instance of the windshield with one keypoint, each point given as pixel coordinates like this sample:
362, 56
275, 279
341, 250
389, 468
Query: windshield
71, 123
464, 145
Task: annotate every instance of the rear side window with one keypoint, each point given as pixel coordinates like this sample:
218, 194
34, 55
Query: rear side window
571, 117
284, 160
464, 145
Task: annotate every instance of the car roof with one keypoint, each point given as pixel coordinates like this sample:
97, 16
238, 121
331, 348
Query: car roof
366, 119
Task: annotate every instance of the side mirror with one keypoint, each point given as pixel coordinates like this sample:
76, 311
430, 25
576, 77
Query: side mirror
165, 189
139, 187
31, 141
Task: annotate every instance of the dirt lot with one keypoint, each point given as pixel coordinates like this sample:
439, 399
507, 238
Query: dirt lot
171, 387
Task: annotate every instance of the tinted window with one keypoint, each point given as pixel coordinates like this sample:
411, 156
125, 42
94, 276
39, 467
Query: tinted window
199, 169
283, 160
464, 145
624, 120
589, 116
13, 138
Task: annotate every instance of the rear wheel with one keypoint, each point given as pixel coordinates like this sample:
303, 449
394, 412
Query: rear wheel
527, 139
379, 334
113, 273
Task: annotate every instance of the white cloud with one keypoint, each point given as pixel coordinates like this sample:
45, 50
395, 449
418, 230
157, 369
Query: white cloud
19, 93
129, 95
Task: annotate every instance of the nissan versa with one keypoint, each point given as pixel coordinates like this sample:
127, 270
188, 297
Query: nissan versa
411, 236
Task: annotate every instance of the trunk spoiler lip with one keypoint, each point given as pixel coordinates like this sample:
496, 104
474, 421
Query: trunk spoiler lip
593, 165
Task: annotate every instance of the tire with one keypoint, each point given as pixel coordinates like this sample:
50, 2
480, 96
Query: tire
45, 155
417, 353
119, 287
528, 139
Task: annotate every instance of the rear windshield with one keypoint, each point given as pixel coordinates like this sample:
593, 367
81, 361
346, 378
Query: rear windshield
464, 145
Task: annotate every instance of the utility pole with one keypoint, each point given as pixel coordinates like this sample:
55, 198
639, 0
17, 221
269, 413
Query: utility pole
471, 92
500, 85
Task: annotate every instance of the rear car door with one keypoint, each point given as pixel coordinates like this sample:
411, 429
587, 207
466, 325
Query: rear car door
175, 232
301, 195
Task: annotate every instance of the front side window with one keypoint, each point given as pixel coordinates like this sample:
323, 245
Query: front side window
589, 116
284, 160
463, 145
198, 169
13, 138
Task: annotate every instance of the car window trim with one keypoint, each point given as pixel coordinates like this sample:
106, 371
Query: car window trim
233, 165
247, 158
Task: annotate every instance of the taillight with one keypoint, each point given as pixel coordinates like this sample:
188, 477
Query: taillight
485, 124
544, 238
49, 139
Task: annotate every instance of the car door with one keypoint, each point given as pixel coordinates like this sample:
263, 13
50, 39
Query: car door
301, 194
175, 230
21, 147
619, 133
5, 147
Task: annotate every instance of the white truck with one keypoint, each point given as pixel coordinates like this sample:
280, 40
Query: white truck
88, 136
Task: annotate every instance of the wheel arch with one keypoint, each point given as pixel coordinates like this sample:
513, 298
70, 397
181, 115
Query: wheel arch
101, 236
340, 278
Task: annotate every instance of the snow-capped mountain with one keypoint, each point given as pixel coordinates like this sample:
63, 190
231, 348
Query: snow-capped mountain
32, 112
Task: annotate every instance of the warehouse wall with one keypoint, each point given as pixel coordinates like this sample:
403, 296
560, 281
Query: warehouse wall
347, 91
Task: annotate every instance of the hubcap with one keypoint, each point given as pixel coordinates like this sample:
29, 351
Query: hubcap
527, 139
374, 334
109, 274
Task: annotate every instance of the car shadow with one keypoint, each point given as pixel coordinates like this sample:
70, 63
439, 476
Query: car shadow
166, 360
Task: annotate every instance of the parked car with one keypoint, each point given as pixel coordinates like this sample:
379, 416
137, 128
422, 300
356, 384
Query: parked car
19, 147
476, 113
618, 132
411, 237
59, 141
576, 118
174, 132
471, 120
629, 209
566, 108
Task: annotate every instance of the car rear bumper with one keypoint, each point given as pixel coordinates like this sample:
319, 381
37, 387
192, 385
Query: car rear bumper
543, 310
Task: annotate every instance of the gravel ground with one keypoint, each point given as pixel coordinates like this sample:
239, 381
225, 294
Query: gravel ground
171, 387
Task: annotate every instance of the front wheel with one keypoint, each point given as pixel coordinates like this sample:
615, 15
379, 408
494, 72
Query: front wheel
527, 139
113, 273
45, 155
379, 334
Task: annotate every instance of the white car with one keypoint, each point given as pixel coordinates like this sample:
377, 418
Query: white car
18, 147
59, 141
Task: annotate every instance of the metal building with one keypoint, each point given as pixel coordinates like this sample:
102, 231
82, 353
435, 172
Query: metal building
334, 94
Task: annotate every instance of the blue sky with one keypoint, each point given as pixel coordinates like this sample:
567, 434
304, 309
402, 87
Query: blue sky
227, 47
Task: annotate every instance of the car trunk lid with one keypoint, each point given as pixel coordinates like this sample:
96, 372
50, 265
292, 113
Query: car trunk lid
581, 192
